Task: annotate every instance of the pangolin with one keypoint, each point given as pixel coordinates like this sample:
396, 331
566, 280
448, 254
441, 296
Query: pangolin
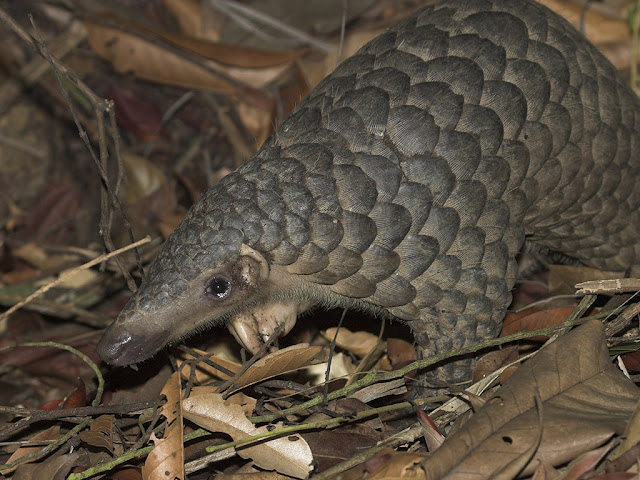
406, 183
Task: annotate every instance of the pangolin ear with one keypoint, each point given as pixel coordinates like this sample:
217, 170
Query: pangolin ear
253, 264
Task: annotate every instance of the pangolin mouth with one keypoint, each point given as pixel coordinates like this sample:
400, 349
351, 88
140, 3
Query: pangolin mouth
253, 328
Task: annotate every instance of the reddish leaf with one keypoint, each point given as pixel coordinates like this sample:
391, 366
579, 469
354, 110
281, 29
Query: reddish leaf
632, 361
136, 114
400, 352
330, 447
529, 319
432, 434
77, 398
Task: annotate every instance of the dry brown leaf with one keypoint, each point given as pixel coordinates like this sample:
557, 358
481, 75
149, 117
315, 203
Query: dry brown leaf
342, 367
282, 361
586, 462
166, 460
432, 435
545, 471
245, 402
143, 177
257, 120
137, 114
130, 53
531, 319
128, 473
223, 53
400, 352
585, 401
252, 476
289, 455
331, 447
36, 256
358, 343
51, 433
80, 279
492, 361
315, 70
138, 49
631, 435
195, 18
100, 433
52, 468
400, 465
380, 390
232, 55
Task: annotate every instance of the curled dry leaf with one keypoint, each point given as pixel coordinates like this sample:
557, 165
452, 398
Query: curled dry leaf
282, 361
100, 433
585, 401
166, 460
289, 455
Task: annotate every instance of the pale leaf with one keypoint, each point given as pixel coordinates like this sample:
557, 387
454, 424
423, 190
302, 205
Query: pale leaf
289, 455
166, 460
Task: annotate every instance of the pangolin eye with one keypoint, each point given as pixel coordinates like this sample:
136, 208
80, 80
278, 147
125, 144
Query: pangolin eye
219, 288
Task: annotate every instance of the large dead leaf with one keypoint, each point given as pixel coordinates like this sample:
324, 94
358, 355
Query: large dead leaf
166, 57
585, 400
223, 53
289, 455
166, 460
130, 53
